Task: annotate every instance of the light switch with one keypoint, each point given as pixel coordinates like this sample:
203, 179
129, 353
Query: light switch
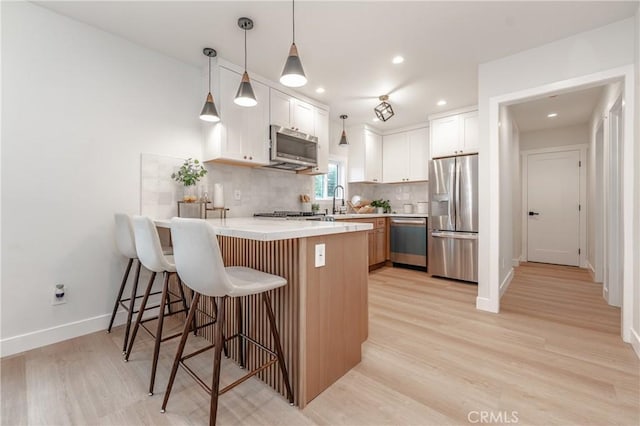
320, 255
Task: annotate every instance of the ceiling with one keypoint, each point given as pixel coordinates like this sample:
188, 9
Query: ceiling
572, 108
347, 47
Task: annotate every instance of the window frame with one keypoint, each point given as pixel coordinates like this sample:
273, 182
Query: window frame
340, 178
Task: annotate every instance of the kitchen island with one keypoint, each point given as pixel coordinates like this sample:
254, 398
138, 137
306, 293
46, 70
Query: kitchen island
322, 312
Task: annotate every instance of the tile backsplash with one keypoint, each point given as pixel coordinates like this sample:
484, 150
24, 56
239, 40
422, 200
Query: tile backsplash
397, 193
261, 190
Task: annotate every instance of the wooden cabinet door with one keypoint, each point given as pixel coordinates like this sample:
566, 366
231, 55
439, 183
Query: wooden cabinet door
303, 117
373, 156
381, 245
371, 235
395, 158
418, 143
469, 133
444, 136
280, 108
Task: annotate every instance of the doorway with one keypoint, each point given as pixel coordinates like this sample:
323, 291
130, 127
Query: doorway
553, 207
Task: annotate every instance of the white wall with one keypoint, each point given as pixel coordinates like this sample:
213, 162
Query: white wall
516, 186
560, 136
509, 151
589, 52
596, 161
79, 106
635, 338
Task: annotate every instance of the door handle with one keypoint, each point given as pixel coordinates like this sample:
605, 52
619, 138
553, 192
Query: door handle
533, 213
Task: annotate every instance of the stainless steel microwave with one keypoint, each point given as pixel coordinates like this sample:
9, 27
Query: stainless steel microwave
292, 150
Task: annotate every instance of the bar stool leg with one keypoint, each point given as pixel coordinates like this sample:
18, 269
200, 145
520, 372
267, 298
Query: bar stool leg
122, 286
183, 342
242, 345
132, 303
184, 299
195, 328
143, 305
156, 350
215, 385
276, 340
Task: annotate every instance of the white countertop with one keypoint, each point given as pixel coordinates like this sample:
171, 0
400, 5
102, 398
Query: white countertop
263, 229
372, 215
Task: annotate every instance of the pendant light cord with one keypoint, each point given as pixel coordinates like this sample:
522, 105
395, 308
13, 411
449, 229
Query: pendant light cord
209, 74
293, 3
245, 49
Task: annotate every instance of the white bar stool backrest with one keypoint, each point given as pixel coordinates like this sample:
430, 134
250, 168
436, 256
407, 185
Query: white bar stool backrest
124, 236
198, 259
148, 246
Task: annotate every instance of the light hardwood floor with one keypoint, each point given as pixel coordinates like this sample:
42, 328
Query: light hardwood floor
553, 356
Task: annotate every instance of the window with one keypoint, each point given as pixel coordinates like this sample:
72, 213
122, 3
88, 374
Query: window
324, 185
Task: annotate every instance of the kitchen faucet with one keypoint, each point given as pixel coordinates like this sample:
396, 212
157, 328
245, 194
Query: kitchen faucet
335, 190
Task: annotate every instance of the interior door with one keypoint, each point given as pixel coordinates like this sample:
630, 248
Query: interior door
553, 202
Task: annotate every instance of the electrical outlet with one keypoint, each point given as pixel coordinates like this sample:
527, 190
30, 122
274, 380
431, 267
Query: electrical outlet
320, 255
237, 195
59, 296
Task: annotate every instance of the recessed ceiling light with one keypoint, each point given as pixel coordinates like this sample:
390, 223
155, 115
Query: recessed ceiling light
442, 102
376, 119
552, 115
320, 90
397, 59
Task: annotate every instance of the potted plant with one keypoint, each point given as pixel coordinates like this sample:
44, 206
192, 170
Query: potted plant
382, 206
188, 175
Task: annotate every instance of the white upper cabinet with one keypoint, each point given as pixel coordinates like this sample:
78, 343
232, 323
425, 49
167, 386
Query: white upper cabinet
303, 117
365, 155
242, 136
454, 135
321, 130
470, 129
406, 156
395, 156
292, 113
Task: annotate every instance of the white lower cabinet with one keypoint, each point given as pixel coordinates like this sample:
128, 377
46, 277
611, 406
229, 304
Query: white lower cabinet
406, 156
242, 135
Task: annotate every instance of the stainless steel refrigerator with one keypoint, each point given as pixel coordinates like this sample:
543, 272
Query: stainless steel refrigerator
453, 217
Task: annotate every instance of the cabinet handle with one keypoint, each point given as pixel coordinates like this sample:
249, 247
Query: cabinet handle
460, 151
245, 157
250, 158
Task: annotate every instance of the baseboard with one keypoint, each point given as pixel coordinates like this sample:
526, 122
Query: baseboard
635, 342
24, 342
505, 283
488, 305
515, 262
592, 271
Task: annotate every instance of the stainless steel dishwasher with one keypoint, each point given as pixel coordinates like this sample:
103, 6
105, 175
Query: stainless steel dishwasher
409, 241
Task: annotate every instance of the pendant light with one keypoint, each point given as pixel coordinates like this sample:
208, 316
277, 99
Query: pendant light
209, 111
343, 138
245, 96
293, 73
384, 110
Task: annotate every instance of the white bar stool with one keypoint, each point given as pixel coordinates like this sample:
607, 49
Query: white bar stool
151, 255
199, 264
127, 246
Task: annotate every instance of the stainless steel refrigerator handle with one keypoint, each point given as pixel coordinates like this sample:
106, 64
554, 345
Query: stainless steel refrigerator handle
452, 198
420, 222
456, 235
457, 194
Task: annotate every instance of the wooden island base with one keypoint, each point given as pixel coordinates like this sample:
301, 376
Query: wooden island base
322, 312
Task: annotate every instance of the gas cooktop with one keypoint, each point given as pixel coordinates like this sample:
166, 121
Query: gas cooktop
287, 214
